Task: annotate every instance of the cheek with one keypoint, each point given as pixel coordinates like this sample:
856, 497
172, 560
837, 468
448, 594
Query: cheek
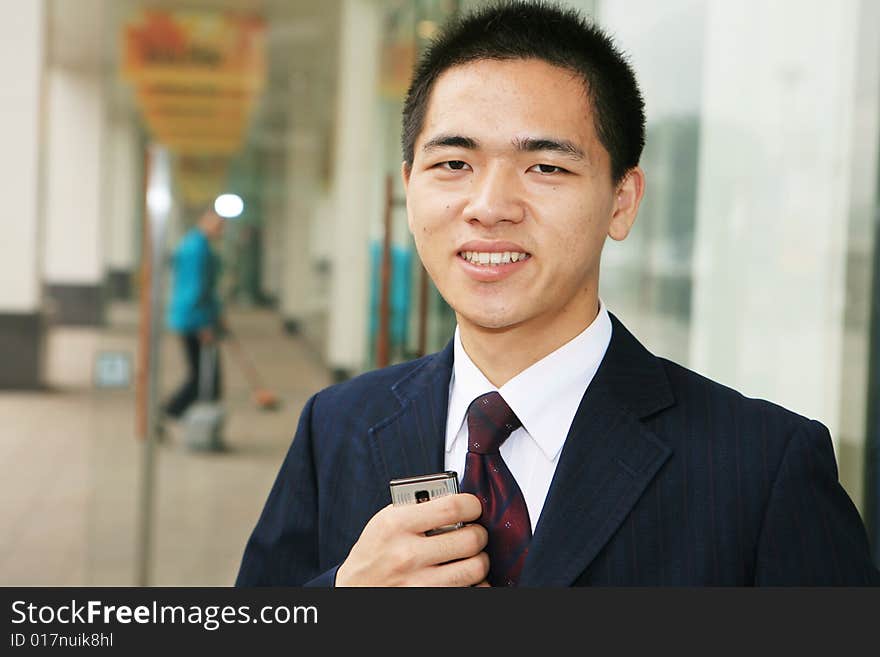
431, 214
422, 226
576, 242
424, 229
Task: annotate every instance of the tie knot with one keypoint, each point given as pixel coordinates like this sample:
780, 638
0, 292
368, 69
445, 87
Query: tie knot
490, 421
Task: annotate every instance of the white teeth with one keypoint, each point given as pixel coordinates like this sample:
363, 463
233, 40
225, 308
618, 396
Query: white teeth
493, 257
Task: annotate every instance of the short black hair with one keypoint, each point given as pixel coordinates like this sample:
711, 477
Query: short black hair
557, 35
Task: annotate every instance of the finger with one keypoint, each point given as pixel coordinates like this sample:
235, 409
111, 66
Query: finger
465, 572
447, 510
454, 545
483, 584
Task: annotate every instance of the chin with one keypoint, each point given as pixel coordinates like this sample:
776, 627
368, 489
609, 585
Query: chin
488, 319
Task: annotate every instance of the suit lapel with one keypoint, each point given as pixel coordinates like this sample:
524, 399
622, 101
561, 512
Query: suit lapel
608, 460
411, 441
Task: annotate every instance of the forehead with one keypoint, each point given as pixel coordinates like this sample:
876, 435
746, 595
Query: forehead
504, 100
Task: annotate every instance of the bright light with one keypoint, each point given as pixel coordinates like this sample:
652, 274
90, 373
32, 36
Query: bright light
158, 200
229, 206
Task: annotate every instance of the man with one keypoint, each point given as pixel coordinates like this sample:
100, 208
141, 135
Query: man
194, 309
591, 461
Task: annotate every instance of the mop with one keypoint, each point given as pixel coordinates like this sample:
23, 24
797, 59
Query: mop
262, 397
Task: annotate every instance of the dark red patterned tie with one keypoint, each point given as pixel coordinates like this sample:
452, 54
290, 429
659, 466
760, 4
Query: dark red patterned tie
505, 515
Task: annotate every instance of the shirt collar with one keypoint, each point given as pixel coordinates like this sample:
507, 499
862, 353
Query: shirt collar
545, 396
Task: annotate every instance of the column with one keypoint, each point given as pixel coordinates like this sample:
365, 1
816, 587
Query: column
357, 174
122, 205
296, 301
22, 61
776, 198
272, 247
73, 256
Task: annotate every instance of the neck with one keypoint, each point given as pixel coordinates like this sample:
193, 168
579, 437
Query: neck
502, 353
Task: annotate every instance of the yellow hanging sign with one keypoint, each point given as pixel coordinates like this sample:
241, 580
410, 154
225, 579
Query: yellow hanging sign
197, 76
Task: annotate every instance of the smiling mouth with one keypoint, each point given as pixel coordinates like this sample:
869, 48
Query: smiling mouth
488, 258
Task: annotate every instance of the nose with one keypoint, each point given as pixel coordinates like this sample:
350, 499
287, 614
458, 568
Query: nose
496, 196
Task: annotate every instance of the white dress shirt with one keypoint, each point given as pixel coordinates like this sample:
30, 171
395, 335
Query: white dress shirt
545, 397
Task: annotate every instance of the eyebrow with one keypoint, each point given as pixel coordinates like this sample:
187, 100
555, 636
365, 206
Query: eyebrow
525, 145
561, 146
447, 141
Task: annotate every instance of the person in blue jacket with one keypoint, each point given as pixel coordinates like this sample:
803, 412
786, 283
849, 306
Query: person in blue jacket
194, 309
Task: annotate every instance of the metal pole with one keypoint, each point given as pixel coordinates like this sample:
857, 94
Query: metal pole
158, 210
382, 337
144, 278
871, 497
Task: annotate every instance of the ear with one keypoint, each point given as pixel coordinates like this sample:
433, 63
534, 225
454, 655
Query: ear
405, 172
627, 198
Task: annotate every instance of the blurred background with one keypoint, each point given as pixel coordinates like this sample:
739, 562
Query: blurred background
121, 121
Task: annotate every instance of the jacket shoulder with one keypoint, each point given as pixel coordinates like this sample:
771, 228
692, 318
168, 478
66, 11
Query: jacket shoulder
692, 388
374, 384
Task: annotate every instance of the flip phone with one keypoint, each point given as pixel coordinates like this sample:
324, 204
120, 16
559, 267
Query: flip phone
423, 488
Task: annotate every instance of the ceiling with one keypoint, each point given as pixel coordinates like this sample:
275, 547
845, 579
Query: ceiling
302, 45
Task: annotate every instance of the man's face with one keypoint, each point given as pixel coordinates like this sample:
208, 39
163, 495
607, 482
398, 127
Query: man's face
508, 167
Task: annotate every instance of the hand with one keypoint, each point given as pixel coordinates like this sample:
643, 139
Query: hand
206, 336
394, 551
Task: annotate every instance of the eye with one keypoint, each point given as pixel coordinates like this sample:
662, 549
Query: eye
547, 169
453, 165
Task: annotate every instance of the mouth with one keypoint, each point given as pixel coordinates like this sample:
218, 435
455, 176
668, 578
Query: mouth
490, 258
486, 261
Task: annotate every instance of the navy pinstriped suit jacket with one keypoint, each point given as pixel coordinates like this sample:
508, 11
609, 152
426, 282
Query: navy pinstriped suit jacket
666, 478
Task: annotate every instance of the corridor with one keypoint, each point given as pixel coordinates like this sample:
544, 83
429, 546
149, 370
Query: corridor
70, 510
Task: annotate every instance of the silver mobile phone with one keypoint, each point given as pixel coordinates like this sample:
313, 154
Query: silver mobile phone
423, 488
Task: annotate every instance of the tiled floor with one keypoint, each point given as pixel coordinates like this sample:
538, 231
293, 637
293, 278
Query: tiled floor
72, 466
